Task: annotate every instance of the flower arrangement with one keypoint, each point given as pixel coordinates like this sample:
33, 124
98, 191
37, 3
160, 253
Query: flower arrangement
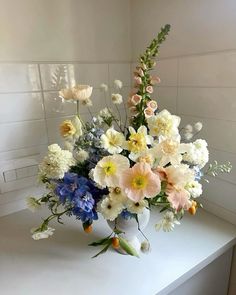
121, 167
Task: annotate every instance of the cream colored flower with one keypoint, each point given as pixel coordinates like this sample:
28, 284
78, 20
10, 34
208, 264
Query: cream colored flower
137, 142
194, 188
56, 162
116, 98
168, 222
109, 170
109, 208
67, 128
33, 204
79, 92
163, 124
170, 150
118, 84
113, 141
82, 92
38, 235
197, 153
81, 155
104, 87
136, 207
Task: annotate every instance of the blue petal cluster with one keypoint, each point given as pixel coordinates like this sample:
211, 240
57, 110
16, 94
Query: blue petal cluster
82, 194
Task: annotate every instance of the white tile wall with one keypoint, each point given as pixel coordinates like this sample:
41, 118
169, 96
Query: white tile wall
19, 77
21, 107
31, 110
203, 88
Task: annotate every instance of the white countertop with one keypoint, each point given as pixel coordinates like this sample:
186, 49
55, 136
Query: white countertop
62, 264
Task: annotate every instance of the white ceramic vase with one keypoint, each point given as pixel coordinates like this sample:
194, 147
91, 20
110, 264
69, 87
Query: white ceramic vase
130, 228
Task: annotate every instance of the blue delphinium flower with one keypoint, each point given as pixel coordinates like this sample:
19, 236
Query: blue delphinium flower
82, 194
198, 173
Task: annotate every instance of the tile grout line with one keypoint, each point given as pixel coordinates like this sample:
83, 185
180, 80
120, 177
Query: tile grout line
43, 97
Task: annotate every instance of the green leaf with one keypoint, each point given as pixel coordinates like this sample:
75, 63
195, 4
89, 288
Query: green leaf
104, 249
127, 247
100, 242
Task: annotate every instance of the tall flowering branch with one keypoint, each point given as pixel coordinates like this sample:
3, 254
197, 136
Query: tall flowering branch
144, 82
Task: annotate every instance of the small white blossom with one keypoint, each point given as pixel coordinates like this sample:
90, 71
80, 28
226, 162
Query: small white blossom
104, 87
145, 247
118, 84
194, 188
188, 136
109, 208
188, 128
81, 155
68, 146
136, 207
198, 126
33, 204
197, 153
116, 98
38, 235
168, 222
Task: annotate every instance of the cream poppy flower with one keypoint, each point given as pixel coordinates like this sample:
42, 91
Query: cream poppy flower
79, 92
109, 170
112, 141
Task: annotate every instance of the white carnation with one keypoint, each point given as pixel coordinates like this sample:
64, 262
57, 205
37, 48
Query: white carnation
194, 188
56, 162
197, 153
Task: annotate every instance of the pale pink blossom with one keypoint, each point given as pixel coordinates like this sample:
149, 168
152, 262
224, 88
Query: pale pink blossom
140, 72
148, 112
152, 104
178, 198
137, 80
155, 80
149, 89
136, 99
139, 182
134, 111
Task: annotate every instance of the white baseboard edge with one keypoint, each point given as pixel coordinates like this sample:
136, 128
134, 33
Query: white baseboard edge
219, 211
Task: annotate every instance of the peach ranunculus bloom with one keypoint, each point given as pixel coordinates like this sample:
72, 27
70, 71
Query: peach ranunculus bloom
139, 182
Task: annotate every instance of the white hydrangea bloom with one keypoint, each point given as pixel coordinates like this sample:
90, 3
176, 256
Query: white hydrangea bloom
198, 153
56, 162
38, 235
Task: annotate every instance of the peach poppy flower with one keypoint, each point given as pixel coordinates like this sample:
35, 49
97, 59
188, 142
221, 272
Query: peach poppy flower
178, 198
139, 182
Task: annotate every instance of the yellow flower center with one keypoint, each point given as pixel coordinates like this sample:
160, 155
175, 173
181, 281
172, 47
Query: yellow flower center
169, 146
163, 126
137, 142
109, 168
139, 182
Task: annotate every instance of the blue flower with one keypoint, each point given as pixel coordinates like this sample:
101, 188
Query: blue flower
82, 194
127, 215
198, 173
